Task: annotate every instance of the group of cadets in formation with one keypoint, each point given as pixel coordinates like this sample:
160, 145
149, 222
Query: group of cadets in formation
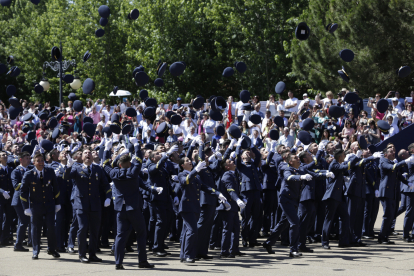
193, 196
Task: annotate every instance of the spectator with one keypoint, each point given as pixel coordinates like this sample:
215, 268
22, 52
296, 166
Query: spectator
372, 133
305, 99
255, 138
271, 105
245, 128
256, 102
325, 135
286, 139
239, 113
96, 116
267, 128
102, 123
170, 107
280, 106
318, 102
160, 111
396, 109
257, 111
178, 105
407, 114
171, 137
285, 120
268, 117
329, 100
291, 104
348, 130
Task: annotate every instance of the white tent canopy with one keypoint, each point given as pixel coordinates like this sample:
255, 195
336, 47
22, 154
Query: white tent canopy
120, 93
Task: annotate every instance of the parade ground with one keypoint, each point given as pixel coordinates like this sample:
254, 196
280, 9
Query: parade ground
373, 259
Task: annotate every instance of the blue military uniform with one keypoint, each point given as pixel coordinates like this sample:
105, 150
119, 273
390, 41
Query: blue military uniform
24, 221
5, 204
409, 200
87, 203
371, 202
13, 161
40, 192
270, 198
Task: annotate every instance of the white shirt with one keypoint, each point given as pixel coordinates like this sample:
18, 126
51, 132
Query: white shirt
107, 115
209, 126
302, 103
233, 108
272, 108
177, 129
42, 171
290, 102
327, 100
239, 111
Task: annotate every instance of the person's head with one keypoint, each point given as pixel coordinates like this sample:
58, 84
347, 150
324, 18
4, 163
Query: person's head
257, 108
124, 161
411, 148
364, 114
246, 156
255, 133
39, 161
271, 98
313, 148
87, 156
24, 159
305, 157
54, 154
268, 114
409, 107
280, 148
372, 124
394, 102
325, 133
103, 118
256, 99
290, 94
155, 156
339, 155
282, 113
348, 124
3, 158
293, 160
244, 124
228, 165
390, 119
329, 95
330, 147
93, 109
170, 132
62, 156
286, 131
230, 99
179, 101
185, 164
397, 94
389, 152
403, 154
305, 96
15, 149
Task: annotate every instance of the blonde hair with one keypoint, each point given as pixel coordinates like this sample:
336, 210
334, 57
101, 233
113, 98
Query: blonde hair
329, 93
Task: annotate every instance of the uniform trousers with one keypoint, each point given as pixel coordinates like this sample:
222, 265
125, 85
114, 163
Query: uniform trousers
231, 233
92, 221
189, 235
270, 202
216, 230
306, 213
370, 214
250, 229
356, 212
73, 230
63, 218
161, 225
409, 214
37, 222
5, 220
341, 209
127, 221
388, 206
23, 222
204, 225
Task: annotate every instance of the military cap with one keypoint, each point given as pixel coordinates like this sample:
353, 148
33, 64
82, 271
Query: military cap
77, 106
11, 90
220, 130
149, 112
302, 31
5, 3
240, 66
72, 97
115, 127
346, 55
108, 131
331, 27
362, 142
136, 70
14, 101
382, 105
14, 71
304, 137
141, 78
31, 135
104, 11
28, 117
56, 54
55, 133
169, 114
87, 120
143, 94
245, 96
161, 69
87, 54
33, 141
103, 21
14, 112
64, 125
372, 148
126, 129
68, 78
177, 68
383, 126
255, 119
115, 117
278, 120
46, 145
3, 68
89, 129
162, 129
198, 102
304, 114
38, 88
216, 115
99, 32
27, 148
403, 71
149, 146
247, 107
88, 86
234, 131
159, 82
280, 87
131, 112
25, 128
274, 134
220, 103
351, 97
308, 124
133, 15
151, 102
228, 72
342, 73
176, 120
246, 142
52, 123
43, 115
336, 111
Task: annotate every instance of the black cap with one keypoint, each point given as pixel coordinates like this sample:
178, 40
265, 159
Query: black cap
228, 72
177, 68
88, 86
274, 134
308, 124
198, 102
240, 66
77, 106
280, 87
245, 96
11, 90
131, 112
304, 137
302, 31
104, 11
346, 55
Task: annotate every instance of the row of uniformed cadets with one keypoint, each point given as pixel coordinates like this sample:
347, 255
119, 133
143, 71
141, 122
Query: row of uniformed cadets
207, 186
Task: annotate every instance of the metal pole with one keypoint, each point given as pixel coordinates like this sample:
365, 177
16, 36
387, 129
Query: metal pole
60, 75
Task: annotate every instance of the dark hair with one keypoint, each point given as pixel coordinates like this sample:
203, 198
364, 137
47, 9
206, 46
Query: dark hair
302, 156
223, 164
124, 159
23, 154
337, 153
289, 157
180, 163
37, 155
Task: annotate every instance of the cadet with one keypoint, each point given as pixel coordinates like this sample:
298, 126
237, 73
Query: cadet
6, 191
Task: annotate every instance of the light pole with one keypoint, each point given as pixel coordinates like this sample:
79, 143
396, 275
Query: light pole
60, 67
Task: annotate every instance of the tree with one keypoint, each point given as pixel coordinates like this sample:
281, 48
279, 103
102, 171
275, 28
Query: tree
379, 32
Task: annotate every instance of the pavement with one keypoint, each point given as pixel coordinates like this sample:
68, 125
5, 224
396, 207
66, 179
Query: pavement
373, 259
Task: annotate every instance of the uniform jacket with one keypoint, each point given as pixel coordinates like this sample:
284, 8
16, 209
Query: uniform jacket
390, 176
159, 177
372, 177
230, 188
6, 184
16, 179
207, 178
65, 184
13, 161
357, 179
250, 180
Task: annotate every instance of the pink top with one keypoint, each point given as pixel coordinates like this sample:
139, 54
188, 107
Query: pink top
96, 117
348, 131
380, 116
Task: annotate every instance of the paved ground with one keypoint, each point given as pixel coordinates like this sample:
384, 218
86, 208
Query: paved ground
371, 260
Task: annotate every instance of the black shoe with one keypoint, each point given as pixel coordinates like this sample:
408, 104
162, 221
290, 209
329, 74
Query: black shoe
6, 243
188, 261
268, 248
35, 257
385, 242
230, 256
294, 254
326, 247
159, 254
306, 249
205, 257
368, 237
112, 253
317, 238
253, 244
145, 265
284, 243
119, 267
21, 249
129, 249
240, 254
344, 245
408, 239
61, 250
70, 250
83, 259
166, 246
150, 247
95, 259
360, 244
53, 253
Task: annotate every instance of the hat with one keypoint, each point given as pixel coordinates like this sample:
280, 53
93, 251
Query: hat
177, 68
245, 96
43, 115
55, 53
72, 97
169, 114
33, 142
131, 112
87, 120
159, 82
11, 90
114, 117
246, 142
46, 145
255, 119
89, 129
52, 123
14, 112
247, 107
302, 31
274, 134
88, 86
126, 129
394, 99
64, 125
362, 142
133, 15
115, 127
14, 101
343, 74
346, 55
220, 130
216, 115
304, 137
331, 27
25, 128
336, 111
104, 11
304, 114
240, 66
178, 99
220, 104
198, 102
141, 78
5, 3
136, 70
143, 94
382, 105
14, 71
108, 131
99, 32
403, 71
162, 129
77, 106
151, 102
372, 148
161, 69
31, 135
87, 55
59, 116
351, 97
228, 72
278, 120
28, 117
68, 78
149, 111
280, 87
27, 148
234, 131
176, 120
305, 94
149, 146
55, 133
383, 126
308, 124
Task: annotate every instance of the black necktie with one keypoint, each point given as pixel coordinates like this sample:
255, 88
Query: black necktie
41, 177
89, 170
